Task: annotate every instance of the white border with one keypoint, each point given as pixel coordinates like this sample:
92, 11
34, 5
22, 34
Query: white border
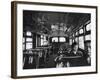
31, 72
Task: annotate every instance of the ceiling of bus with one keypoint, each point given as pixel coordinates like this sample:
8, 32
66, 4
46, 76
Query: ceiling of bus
53, 23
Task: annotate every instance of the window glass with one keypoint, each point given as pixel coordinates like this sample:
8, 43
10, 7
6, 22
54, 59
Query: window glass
62, 39
28, 45
76, 39
28, 39
70, 41
44, 41
81, 31
81, 42
88, 27
88, 37
55, 39
28, 33
76, 33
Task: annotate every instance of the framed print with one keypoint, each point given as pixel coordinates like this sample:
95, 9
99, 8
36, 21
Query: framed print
53, 39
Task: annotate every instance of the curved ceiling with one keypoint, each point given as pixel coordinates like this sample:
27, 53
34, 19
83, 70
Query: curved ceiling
41, 21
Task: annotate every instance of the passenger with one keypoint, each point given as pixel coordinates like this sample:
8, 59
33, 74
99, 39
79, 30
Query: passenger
77, 56
75, 50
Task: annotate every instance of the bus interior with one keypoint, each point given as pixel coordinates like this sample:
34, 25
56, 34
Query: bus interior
48, 35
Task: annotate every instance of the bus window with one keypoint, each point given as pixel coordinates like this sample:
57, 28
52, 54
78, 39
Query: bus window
80, 31
29, 39
76, 39
81, 42
76, 33
55, 39
62, 39
28, 45
70, 41
88, 37
28, 33
44, 41
88, 27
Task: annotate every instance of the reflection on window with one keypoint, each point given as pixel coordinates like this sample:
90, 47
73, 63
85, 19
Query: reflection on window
88, 27
81, 42
62, 39
81, 31
28, 45
28, 33
28, 39
55, 39
88, 37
